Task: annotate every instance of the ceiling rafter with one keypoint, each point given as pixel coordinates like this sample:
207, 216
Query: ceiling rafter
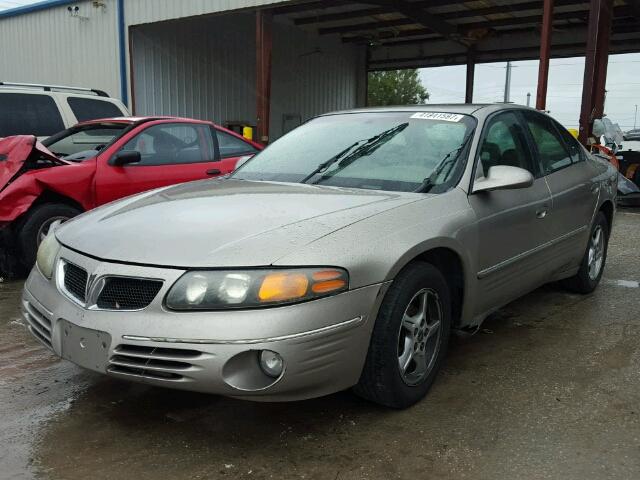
458, 14
419, 15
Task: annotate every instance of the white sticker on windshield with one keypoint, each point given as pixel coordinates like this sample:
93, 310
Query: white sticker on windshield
447, 117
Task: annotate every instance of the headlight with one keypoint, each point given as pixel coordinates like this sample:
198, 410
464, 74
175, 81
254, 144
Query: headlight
47, 253
215, 290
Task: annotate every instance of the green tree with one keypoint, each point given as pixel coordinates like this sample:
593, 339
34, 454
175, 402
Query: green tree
396, 87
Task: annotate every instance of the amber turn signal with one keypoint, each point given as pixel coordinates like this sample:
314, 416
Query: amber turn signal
278, 287
326, 281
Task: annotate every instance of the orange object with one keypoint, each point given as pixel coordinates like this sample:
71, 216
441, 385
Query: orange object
277, 287
324, 275
328, 286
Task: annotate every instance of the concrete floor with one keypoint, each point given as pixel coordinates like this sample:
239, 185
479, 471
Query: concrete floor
549, 389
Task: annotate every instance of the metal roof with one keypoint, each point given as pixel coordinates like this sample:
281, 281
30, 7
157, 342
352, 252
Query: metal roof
34, 7
420, 33
423, 33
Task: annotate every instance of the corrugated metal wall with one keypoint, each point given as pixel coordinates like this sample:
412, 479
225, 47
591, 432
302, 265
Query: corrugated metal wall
311, 75
201, 68
50, 46
205, 68
147, 11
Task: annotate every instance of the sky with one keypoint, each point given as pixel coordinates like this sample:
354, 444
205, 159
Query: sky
564, 93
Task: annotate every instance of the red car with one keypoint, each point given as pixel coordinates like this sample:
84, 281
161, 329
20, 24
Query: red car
96, 162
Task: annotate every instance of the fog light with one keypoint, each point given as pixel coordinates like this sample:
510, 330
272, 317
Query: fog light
271, 363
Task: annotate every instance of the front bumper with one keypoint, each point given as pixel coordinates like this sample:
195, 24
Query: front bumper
323, 342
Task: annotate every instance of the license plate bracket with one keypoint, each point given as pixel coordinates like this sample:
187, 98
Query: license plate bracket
85, 347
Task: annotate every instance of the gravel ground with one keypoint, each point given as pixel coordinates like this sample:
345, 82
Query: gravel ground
550, 388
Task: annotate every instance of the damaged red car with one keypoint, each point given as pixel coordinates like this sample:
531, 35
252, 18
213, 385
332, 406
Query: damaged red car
96, 162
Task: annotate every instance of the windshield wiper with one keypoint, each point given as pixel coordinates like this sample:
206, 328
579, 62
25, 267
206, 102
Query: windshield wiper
324, 165
449, 159
349, 155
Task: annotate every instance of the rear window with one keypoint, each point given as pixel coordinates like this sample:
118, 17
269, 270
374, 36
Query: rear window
29, 114
91, 109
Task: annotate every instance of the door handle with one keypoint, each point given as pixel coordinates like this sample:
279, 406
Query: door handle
213, 171
541, 213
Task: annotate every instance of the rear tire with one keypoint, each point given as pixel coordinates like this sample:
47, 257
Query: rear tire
409, 339
36, 225
594, 259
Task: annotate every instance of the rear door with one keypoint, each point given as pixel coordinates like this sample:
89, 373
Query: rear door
172, 152
512, 225
571, 182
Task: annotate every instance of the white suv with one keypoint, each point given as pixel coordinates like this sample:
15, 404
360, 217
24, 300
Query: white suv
42, 110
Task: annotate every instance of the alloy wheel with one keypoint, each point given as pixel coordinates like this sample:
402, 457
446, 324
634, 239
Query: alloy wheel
419, 336
596, 253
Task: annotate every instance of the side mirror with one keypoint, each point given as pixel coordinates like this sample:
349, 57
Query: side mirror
504, 177
125, 157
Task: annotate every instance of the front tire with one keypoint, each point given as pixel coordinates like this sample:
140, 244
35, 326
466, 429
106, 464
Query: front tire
35, 227
409, 339
592, 266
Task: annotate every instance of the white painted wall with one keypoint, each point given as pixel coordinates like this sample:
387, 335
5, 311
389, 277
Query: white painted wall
50, 46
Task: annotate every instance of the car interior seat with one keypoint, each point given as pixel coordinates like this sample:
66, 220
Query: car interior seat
489, 156
511, 158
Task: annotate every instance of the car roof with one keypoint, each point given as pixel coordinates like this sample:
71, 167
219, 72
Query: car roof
463, 108
53, 90
132, 120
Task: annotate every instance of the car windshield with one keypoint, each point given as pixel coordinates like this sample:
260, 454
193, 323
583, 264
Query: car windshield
397, 151
85, 141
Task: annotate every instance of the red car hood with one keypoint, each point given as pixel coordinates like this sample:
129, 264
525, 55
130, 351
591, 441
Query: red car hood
15, 151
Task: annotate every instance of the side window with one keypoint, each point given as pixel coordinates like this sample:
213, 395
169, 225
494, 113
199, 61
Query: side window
231, 146
90, 109
29, 114
173, 143
553, 154
504, 144
574, 148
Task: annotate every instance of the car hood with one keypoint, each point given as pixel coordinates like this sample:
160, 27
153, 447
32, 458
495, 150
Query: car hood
221, 223
18, 152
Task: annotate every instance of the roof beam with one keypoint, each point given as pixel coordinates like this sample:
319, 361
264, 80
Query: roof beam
422, 17
494, 55
303, 7
459, 14
460, 28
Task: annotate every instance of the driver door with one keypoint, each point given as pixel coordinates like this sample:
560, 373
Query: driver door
512, 225
171, 153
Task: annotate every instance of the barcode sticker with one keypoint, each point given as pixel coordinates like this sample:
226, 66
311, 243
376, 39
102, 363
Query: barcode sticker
447, 117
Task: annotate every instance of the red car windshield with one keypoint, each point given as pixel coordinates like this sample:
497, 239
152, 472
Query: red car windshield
84, 141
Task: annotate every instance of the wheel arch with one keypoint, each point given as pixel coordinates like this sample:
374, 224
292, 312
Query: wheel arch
608, 209
453, 265
49, 196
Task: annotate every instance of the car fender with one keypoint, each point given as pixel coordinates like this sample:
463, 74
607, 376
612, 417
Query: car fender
75, 182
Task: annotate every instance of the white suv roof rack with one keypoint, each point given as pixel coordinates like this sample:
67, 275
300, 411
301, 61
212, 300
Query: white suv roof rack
48, 88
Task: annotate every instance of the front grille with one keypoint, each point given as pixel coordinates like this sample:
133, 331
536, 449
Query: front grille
151, 362
120, 293
39, 325
75, 281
